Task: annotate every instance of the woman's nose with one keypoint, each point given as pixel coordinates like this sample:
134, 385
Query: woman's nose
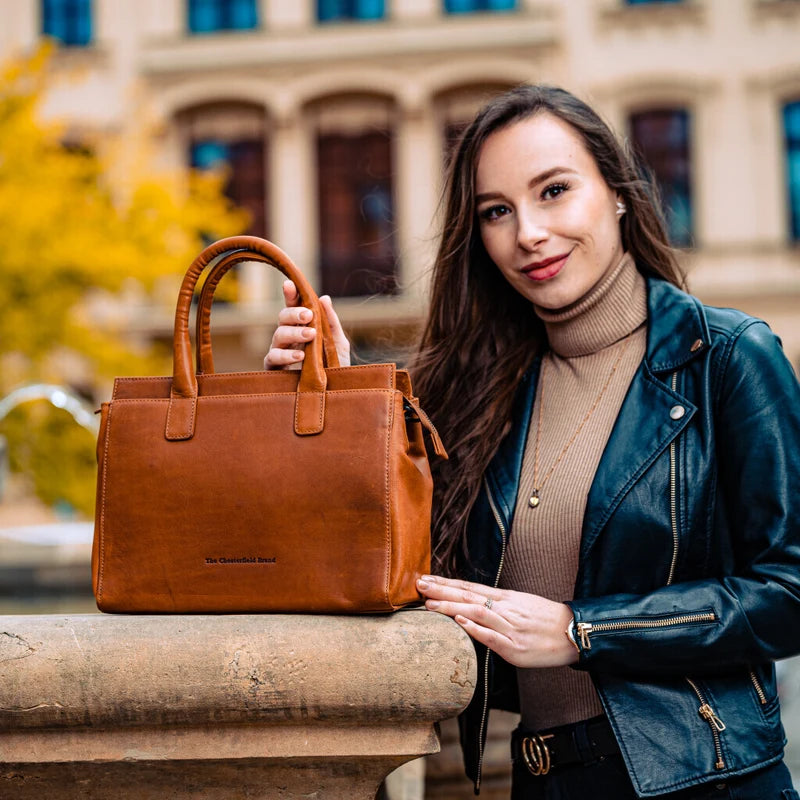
531, 230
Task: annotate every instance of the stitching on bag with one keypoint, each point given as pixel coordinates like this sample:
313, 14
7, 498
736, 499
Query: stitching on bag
319, 421
102, 558
190, 433
210, 397
388, 500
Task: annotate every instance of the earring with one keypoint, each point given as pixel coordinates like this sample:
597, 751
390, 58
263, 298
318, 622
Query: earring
621, 209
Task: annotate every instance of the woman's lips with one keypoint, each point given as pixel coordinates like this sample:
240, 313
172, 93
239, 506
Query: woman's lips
542, 270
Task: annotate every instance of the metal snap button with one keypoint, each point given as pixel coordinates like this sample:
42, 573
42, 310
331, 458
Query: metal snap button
676, 412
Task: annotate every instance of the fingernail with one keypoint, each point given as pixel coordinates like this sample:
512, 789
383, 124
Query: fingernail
433, 604
304, 316
460, 620
422, 584
297, 354
428, 578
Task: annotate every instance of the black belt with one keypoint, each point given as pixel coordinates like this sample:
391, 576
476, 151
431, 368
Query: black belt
580, 743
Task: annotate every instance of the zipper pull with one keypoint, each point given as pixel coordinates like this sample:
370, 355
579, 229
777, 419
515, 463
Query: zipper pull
584, 629
707, 713
438, 447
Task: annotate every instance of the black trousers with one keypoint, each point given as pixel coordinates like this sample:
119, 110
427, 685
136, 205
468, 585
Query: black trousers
606, 778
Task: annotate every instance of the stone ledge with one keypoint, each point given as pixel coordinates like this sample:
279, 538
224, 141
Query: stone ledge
300, 705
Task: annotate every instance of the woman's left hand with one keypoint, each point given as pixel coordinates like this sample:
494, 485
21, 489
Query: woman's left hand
524, 629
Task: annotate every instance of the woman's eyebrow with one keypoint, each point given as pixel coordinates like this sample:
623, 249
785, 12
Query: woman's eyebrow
537, 179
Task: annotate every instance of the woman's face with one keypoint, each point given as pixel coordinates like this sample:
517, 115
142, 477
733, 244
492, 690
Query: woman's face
547, 218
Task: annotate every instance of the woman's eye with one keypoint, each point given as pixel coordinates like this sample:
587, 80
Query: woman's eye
554, 190
493, 212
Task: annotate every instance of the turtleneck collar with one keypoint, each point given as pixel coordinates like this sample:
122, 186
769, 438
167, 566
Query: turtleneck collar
607, 313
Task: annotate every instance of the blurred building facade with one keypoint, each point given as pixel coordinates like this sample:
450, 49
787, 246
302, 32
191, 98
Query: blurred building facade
334, 117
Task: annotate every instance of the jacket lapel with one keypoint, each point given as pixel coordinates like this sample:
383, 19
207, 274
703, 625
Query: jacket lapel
503, 471
677, 333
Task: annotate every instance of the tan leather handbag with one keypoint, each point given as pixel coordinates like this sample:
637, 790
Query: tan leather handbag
304, 491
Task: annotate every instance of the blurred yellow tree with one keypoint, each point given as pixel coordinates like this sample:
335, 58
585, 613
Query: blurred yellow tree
67, 232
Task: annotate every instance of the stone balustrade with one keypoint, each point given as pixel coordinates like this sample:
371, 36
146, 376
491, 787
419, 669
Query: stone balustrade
103, 707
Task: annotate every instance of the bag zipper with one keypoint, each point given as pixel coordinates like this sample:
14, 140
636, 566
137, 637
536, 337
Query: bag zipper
762, 696
673, 500
714, 722
502, 528
584, 629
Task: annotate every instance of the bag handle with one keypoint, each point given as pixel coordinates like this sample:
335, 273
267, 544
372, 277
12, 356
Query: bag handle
309, 416
205, 357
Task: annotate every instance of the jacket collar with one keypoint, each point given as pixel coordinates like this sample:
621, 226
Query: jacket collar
676, 323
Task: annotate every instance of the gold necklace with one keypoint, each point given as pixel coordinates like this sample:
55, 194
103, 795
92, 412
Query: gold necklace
537, 487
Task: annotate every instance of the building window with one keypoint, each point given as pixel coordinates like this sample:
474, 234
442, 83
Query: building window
662, 138
208, 16
356, 213
69, 21
791, 125
470, 6
339, 10
355, 194
232, 137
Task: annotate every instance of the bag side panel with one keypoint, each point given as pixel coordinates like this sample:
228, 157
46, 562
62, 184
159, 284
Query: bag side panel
412, 491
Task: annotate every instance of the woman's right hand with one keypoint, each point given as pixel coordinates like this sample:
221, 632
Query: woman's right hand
292, 334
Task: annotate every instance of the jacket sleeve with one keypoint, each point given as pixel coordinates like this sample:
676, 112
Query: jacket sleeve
750, 613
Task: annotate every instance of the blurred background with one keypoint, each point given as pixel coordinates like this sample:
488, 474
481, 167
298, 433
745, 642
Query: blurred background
132, 132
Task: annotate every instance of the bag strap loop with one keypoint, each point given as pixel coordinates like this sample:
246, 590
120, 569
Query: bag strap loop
309, 414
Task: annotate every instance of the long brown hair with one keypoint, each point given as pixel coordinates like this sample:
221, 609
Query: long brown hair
481, 334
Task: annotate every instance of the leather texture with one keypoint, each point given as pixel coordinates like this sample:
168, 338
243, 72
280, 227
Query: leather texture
701, 474
291, 491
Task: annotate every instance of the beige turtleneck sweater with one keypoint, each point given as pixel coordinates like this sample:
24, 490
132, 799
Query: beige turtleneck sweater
586, 340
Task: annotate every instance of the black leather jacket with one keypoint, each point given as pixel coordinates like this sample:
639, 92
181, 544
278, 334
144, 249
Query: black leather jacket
688, 585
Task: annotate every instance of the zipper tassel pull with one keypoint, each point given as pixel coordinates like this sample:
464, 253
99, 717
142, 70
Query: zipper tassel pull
707, 713
584, 629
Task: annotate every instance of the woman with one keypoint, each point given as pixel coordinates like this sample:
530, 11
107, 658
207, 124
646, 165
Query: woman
617, 517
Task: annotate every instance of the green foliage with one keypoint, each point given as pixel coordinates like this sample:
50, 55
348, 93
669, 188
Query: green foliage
70, 230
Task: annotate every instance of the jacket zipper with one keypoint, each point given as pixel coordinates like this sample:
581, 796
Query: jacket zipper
586, 628
762, 697
705, 710
714, 722
673, 501
488, 652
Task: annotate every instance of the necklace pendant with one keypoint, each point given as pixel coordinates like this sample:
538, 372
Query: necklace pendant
534, 499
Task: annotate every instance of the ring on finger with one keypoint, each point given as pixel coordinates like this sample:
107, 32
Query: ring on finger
489, 602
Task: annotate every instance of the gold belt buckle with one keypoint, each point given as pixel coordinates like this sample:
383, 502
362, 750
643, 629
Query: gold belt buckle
536, 753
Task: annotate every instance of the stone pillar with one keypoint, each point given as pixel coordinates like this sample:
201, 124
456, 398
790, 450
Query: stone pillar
222, 707
419, 167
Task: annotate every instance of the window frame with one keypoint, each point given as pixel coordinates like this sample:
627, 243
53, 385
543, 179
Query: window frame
84, 12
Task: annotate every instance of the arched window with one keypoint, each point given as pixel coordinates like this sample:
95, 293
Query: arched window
791, 127
208, 16
69, 21
354, 143
662, 137
232, 136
